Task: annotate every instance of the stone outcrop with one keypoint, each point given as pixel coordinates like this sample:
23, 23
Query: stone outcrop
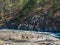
27, 38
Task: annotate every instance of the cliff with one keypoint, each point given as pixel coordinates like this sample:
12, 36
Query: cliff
38, 15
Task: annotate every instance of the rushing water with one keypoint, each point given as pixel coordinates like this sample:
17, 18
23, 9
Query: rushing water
57, 35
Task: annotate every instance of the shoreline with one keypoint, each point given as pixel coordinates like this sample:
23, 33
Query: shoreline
18, 37
57, 35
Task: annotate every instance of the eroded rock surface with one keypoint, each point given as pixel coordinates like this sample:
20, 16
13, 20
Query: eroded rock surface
27, 38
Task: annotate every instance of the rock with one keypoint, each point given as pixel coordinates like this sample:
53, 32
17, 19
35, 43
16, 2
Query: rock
11, 37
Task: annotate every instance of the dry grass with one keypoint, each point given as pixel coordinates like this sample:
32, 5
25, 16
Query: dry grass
1, 42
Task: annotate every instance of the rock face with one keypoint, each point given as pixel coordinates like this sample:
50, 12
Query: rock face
27, 38
35, 22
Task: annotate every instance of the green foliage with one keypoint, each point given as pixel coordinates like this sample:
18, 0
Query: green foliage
9, 3
21, 3
1, 1
28, 5
56, 4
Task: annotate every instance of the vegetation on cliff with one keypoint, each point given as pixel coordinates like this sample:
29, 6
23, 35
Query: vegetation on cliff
30, 14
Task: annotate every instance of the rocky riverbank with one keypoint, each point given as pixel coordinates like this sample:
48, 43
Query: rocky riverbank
9, 37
